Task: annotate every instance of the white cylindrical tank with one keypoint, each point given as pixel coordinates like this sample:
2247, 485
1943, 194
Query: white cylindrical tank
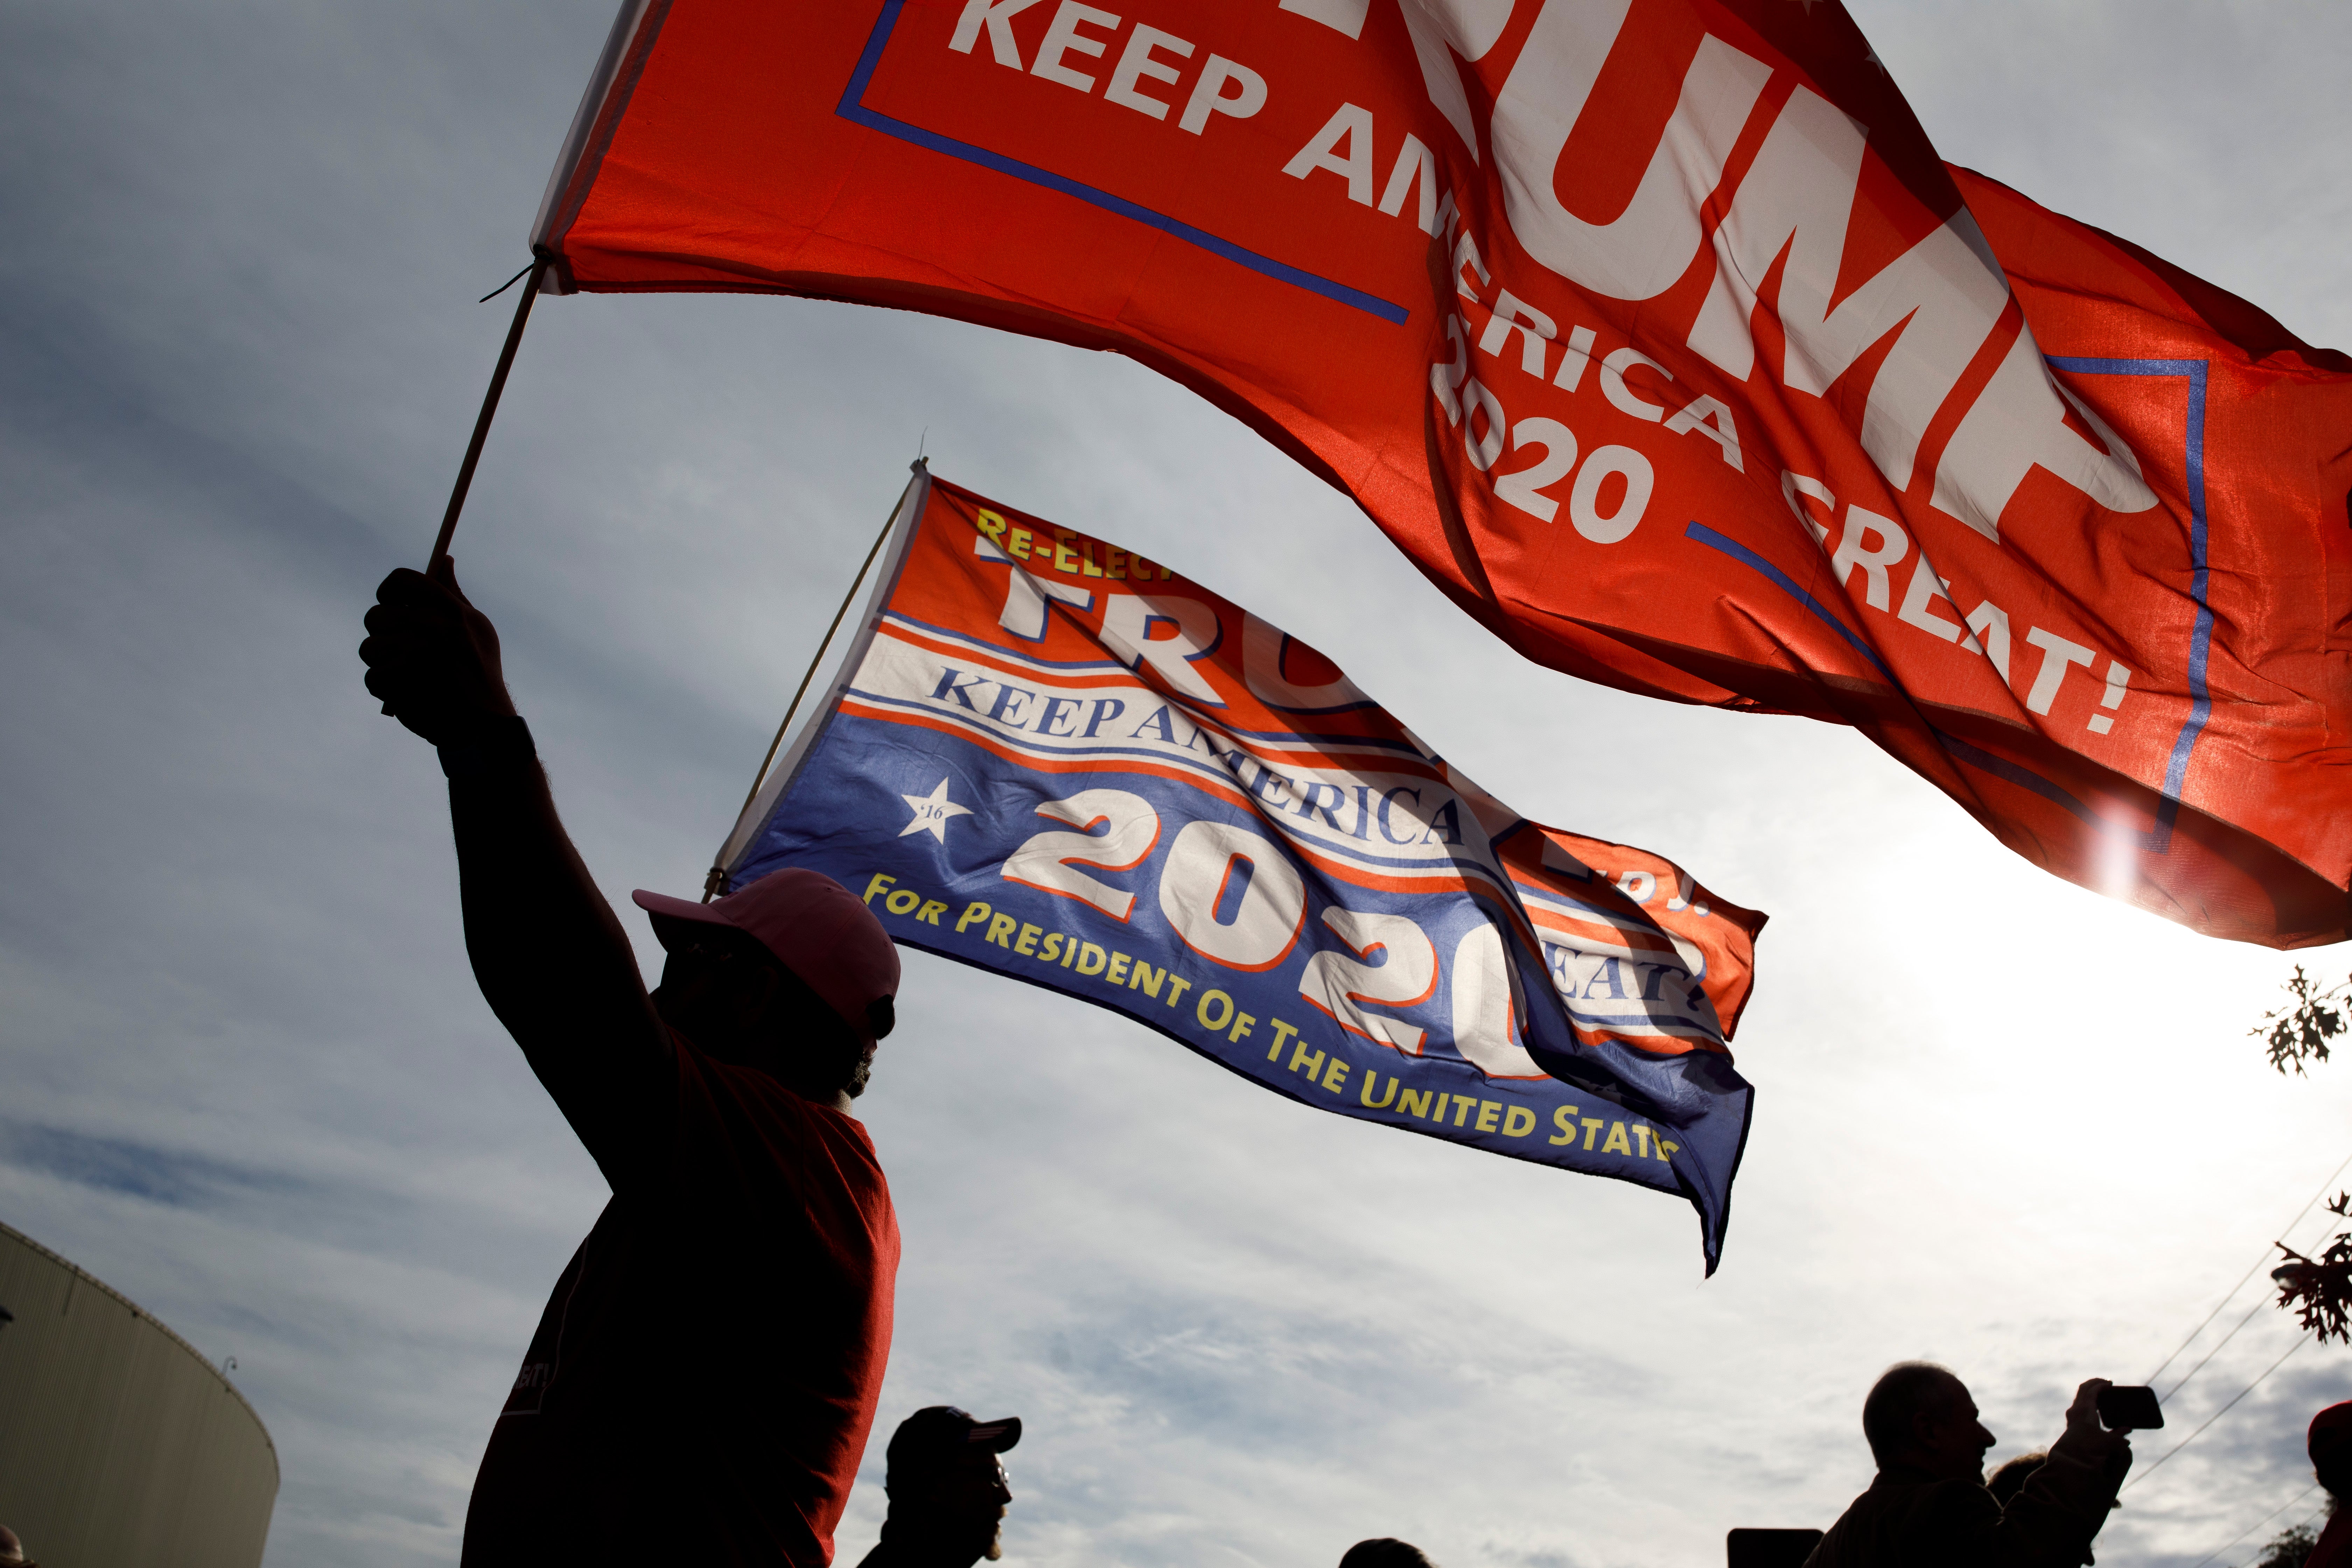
120, 1447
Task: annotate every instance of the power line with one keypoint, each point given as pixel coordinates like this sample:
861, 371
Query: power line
2249, 1274
2260, 1303
2306, 1521
2298, 1345
2182, 1381
2214, 1555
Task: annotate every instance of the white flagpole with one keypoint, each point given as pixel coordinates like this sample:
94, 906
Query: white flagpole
718, 876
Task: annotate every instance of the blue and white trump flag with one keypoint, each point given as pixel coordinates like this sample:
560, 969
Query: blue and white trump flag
1050, 757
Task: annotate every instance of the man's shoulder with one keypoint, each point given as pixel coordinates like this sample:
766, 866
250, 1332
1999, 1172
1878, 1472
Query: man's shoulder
1929, 1518
1967, 1498
1909, 1488
788, 1123
1899, 1513
780, 1103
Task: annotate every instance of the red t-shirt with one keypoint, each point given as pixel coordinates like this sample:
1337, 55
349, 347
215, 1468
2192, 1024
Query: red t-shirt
2334, 1547
704, 1377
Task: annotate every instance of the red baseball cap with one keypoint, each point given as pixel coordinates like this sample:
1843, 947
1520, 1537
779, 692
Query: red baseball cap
814, 924
2329, 1428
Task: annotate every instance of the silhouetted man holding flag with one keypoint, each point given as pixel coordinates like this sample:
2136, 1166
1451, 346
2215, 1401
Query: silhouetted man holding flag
704, 1376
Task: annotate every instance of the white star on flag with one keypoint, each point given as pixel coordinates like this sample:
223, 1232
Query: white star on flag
932, 813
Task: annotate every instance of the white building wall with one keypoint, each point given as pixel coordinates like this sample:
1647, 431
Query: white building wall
120, 1447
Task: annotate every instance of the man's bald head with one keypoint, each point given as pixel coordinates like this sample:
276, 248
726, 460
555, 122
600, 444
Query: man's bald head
12, 1551
1909, 1399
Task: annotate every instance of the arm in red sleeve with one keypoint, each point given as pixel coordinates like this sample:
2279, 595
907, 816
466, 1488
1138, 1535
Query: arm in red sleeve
547, 949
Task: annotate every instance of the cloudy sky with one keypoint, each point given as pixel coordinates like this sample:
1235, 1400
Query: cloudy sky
245, 1076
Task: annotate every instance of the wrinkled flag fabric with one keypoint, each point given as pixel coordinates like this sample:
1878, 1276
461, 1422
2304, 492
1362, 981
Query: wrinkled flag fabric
1049, 757
1653, 331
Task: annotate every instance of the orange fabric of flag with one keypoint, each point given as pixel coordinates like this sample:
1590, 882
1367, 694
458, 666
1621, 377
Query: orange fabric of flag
1653, 331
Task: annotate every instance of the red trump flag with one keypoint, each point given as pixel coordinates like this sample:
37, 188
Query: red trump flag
1653, 331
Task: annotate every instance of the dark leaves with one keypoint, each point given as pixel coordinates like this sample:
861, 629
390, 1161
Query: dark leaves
2320, 1289
2300, 1032
2289, 1548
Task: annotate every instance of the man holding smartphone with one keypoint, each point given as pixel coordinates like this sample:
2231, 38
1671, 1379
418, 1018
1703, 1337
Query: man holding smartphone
1928, 1505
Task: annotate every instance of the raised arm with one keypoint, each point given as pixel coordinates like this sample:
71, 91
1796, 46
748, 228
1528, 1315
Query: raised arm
2063, 1503
550, 957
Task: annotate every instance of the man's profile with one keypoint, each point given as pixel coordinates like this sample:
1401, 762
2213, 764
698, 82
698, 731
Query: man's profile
704, 1376
948, 1490
1929, 1506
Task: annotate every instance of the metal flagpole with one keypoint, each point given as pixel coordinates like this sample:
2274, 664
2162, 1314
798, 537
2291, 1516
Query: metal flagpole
719, 873
489, 408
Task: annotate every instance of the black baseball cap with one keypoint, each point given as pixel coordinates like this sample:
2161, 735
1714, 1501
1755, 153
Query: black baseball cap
936, 1433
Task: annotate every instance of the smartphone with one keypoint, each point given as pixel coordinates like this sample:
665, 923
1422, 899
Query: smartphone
2129, 1409
1771, 1548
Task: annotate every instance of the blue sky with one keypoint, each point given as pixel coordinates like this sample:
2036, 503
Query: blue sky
245, 1076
